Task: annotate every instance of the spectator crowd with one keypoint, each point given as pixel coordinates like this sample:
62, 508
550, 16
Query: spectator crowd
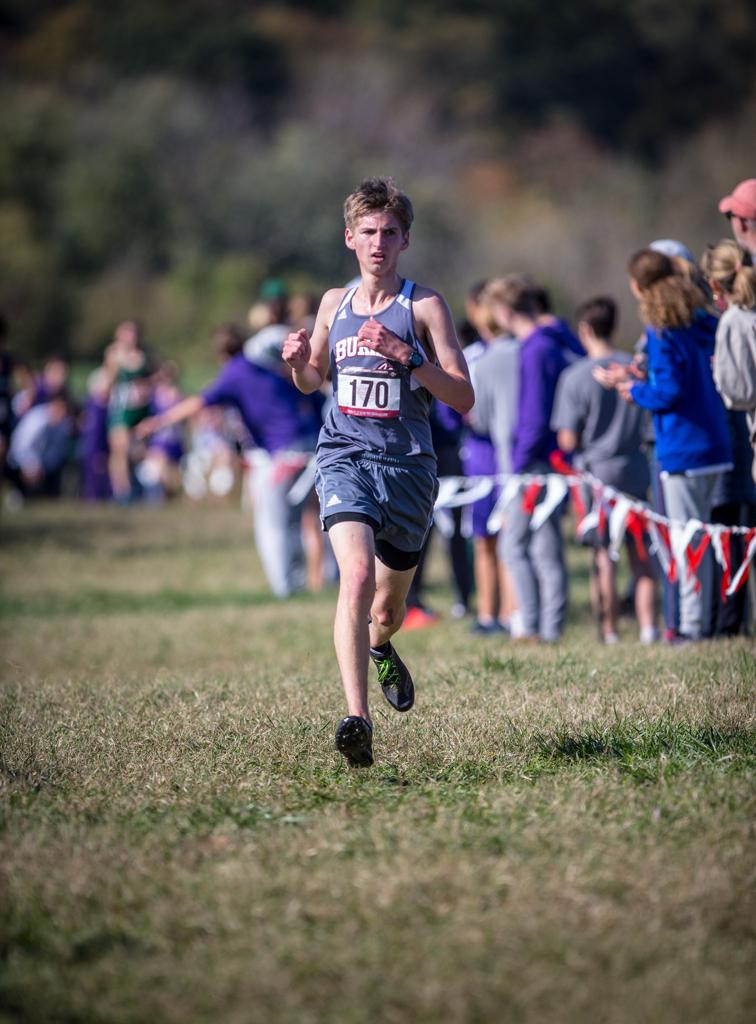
672, 423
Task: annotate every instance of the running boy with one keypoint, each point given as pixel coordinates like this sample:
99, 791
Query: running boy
389, 345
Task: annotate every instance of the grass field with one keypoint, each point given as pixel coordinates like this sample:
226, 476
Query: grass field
562, 834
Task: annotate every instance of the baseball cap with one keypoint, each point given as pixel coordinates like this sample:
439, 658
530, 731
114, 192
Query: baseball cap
742, 200
273, 288
671, 247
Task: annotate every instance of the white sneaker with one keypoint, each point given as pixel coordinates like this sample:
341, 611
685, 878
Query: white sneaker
610, 639
649, 635
516, 625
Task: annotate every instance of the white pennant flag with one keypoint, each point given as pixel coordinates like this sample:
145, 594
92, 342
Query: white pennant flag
588, 522
749, 555
715, 532
454, 491
447, 488
303, 484
658, 547
444, 521
556, 492
618, 525
509, 492
680, 538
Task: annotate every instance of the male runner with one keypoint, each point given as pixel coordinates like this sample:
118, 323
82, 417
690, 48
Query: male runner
389, 345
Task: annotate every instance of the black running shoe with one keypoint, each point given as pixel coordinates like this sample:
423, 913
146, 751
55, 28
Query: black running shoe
354, 739
395, 680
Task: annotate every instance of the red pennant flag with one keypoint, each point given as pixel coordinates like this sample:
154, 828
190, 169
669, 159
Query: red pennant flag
636, 524
530, 497
602, 519
578, 503
693, 557
727, 556
558, 462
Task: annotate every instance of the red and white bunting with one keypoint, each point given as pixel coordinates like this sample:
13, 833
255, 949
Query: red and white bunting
674, 543
610, 507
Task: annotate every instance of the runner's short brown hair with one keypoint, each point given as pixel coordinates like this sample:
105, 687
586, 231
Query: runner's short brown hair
378, 195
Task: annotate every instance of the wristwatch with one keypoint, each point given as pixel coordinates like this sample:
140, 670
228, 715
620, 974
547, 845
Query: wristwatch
415, 360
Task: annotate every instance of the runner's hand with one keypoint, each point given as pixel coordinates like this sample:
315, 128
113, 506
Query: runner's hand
374, 335
296, 349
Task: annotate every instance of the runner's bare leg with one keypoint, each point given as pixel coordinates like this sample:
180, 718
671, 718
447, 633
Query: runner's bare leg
387, 612
354, 550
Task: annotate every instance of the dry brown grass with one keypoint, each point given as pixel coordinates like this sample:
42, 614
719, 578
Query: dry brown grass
552, 835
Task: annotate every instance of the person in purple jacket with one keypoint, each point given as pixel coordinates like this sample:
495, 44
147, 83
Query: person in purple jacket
93, 440
535, 557
284, 426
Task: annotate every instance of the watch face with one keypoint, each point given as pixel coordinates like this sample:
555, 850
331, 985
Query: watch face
415, 360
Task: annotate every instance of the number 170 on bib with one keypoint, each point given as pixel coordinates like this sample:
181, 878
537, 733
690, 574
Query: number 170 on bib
369, 395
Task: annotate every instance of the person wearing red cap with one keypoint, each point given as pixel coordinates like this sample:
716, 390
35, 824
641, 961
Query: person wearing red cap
740, 209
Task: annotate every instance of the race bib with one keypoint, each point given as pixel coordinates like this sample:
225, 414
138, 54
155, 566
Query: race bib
369, 394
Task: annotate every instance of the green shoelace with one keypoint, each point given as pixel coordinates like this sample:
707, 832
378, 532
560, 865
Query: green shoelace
388, 674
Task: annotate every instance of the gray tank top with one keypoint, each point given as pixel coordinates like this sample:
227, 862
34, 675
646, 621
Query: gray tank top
378, 407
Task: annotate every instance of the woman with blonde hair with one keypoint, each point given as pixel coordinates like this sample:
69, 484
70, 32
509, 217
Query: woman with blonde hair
731, 277
690, 425
728, 267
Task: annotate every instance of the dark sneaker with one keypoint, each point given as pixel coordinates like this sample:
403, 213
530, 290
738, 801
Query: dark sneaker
354, 739
492, 628
394, 677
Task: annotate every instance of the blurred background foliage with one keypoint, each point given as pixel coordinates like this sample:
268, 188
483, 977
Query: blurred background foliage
161, 159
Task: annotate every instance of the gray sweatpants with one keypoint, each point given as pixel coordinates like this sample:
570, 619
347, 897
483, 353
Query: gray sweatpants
277, 523
536, 561
689, 497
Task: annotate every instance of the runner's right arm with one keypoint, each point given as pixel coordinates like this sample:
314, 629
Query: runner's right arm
308, 356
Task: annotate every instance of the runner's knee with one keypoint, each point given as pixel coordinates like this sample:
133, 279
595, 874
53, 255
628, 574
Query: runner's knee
389, 615
358, 583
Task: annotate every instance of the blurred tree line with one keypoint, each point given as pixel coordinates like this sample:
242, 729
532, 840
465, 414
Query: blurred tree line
161, 159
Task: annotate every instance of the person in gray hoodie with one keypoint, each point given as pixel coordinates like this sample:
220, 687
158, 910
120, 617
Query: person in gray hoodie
728, 268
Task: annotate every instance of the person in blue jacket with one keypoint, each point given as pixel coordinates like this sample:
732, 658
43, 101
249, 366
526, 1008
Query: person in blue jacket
690, 423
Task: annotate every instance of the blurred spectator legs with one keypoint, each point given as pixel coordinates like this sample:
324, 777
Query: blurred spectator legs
730, 617
119, 463
535, 559
689, 497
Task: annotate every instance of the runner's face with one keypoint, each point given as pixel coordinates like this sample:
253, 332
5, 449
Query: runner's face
377, 240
